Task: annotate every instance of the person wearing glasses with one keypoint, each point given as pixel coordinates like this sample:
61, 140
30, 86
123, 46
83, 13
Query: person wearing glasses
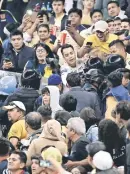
16, 112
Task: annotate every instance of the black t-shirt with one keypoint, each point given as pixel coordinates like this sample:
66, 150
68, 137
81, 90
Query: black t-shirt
78, 150
3, 165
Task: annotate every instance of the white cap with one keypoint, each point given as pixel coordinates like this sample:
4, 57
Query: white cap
101, 26
102, 160
15, 104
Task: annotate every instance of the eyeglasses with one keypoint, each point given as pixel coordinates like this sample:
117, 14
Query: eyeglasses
40, 51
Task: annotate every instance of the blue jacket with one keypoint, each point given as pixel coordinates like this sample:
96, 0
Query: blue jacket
119, 93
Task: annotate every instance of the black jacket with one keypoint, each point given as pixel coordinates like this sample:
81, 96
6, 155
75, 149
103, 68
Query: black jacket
84, 99
20, 59
25, 95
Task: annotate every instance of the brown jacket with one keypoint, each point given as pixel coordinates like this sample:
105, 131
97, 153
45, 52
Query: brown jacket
51, 136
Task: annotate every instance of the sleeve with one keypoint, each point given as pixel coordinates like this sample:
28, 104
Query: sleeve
15, 131
64, 73
97, 108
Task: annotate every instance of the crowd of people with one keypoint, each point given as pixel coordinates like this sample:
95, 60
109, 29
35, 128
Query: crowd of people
65, 92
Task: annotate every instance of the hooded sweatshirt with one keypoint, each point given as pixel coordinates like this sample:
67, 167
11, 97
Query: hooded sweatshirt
50, 136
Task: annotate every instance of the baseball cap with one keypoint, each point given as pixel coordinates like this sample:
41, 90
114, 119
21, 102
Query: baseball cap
101, 26
102, 160
15, 104
54, 79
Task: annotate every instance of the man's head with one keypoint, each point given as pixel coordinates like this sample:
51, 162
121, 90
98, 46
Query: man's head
117, 24
62, 117
111, 25
88, 4
16, 111
118, 47
43, 32
75, 15
93, 148
69, 55
123, 112
115, 79
58, 6
35, 163
69, 103
16, 39
55, 80
113, 8
46, 96
125, 24
96, 15
126, 79
32, 121
17, 161
101, 29
74, 131
45, 112
73, 79
44, 15
4, 147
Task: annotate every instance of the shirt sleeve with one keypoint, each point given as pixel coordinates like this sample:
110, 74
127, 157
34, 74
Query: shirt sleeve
15, 131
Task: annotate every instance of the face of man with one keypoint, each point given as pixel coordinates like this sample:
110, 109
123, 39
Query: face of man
125, 26
89, 4
58, 7
14, 115
111, 27
69, 56
70, 133
102, 35
43, 33
117, 50
14, 163
117, 25
96, 17
113, 10
75, 19
17, 42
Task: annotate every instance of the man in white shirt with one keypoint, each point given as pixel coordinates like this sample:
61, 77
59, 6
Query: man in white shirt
114, 10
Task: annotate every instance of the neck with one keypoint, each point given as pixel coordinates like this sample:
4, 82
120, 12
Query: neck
75, 138
42, 61
86, 11
59, 14
19, 171
31, 131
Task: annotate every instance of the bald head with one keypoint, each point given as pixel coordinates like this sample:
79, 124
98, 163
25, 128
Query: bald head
33, 119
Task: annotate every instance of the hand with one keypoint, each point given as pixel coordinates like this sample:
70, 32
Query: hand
71, 29
26, 19
37, 21
7, 65
70, 164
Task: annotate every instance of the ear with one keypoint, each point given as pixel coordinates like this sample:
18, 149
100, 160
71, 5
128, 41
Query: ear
22, 165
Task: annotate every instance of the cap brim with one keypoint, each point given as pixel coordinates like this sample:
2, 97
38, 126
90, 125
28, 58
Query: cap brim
100, 29
9, 107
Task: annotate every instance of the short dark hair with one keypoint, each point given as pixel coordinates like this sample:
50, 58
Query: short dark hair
115, 78
45, 26
73, 79
16, 33
63, 1
66, 46
62, 117
22, 156
113, 1
126, 20
95, 147
123, 108
36, 157
45, 112
117, 18
4, 146
126, 75
69, 103
116, 42
33, 119
43, 12
95, 11
45, 90
128, 125
75, 10
109, 20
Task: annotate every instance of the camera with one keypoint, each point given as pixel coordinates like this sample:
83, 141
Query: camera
45, 163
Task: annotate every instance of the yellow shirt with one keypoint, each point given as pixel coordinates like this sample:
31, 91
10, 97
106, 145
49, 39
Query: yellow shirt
86, 19
103, 46
18, 130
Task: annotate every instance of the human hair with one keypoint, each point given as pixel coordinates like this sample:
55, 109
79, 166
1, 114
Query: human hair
16, 33
115, 78
115, 2
95, 147
123, 108
62, 117
109, 20
66, 46
42, 13
4, 146
109, 134
43, 26
117, 18
95, 11
45, 91
128, 126
33, 119
73, 79
63, 1
117, 42
69, 103
81, 169
88, 115
77, 125
75, 10
22, 156
45, 112
36, 157
126, 20
126, 75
